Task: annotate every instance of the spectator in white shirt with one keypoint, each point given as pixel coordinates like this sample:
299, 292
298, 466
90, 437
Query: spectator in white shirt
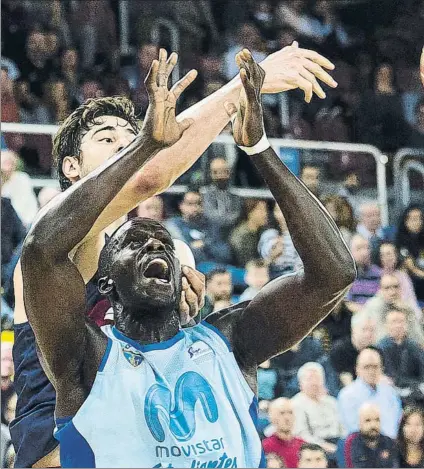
17, 186
317, 419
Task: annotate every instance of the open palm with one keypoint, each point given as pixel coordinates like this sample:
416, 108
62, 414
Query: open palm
160, 121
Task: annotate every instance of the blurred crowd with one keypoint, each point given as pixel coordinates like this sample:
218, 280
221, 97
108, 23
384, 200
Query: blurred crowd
351, 394
56, 54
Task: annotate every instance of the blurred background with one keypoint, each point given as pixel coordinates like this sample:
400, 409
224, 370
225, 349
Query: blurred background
360, 151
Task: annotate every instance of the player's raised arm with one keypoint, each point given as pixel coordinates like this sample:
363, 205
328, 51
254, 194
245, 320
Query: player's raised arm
287, 308
54, 291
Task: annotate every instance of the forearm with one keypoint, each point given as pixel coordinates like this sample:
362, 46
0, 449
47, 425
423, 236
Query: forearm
210, 118
69, 218
318, 241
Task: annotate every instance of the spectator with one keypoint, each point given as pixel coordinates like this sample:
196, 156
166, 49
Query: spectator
341, 211
247, 36
370, 386
267, 381
283, 442
288, 363
390, 264
295, 15
31, 108
256, 277
57, 99
17, 186
336, 326
152, 208
7, 390
386, 298
46, 195
219, 289
37, 68
71, 74
416, 136
344, 354
367, 281
411, 438
403, 358
368, 447
9, 107
317, 419
222, 208
12, 234
410, 241
91, 87
193, 228
370, 227
245, 237
349, 189
277, 249
273, 460
312, 456
311, 177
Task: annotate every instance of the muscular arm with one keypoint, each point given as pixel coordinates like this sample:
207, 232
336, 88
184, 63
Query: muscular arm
54, 291
286, 309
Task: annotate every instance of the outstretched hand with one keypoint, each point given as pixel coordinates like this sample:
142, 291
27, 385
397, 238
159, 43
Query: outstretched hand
294, 67
160, 122
247, 117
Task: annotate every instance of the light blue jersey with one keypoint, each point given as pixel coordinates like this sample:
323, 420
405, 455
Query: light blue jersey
179, 403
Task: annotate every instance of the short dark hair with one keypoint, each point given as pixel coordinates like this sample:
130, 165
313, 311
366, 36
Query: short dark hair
218, 271
258, 263
67, 141
311, 447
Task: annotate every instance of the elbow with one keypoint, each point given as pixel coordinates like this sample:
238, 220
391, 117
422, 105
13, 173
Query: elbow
345, 273
151, 183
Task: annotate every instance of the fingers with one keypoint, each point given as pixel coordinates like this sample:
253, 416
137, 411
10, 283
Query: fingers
151, 78
319, 72
185, 124
317, 58
182, 84
162, 76
307, 87
256, 72
170, 63
191, 299
316, 88
184, 309
196, 281
422, 67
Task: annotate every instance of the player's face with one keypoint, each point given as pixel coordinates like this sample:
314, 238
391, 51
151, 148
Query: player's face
105, 139
145, 271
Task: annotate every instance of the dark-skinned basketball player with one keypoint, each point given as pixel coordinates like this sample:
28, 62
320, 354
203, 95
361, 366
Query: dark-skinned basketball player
146, 392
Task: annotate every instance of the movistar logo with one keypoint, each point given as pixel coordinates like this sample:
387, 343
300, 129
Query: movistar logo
180, 419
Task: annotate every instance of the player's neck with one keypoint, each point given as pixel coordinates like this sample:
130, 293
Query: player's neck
146, 329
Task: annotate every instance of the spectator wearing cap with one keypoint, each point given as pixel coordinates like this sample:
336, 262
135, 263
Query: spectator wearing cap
368, 447
370, 386
368, 278
283, 442
317, 419
403, 358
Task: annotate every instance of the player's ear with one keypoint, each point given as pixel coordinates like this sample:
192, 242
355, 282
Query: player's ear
71, 168
105, 285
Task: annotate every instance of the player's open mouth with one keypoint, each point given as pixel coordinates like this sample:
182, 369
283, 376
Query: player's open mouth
159, 270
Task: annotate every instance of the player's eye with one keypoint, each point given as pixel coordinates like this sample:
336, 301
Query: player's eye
106, 139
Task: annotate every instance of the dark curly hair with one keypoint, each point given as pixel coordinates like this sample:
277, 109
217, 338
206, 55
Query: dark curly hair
402, 444
67, 141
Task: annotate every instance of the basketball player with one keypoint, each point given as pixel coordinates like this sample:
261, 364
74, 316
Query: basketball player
127, 396
78, 152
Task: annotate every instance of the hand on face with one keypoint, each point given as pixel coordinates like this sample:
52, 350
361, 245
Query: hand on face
160, 122
248, 126
293, 67
192, 294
